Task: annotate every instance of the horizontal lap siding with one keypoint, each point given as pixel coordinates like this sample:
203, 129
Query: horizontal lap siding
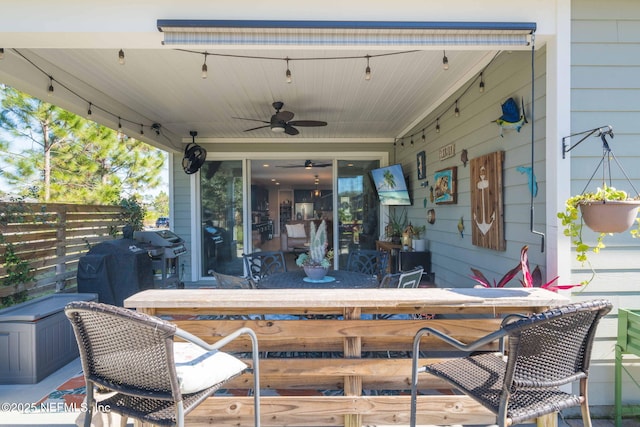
452, 254
605, 65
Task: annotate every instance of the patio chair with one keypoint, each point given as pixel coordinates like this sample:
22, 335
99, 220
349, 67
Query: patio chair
404, 279
261, 264
225, 281
545, 351
368, 261
154, 379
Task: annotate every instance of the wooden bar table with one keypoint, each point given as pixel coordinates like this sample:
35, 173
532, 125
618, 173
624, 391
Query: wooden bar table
327, 361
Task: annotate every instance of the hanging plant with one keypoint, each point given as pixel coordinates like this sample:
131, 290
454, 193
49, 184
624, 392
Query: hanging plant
606, 211
621, 214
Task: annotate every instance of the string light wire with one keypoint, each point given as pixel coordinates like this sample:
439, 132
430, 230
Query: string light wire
73, 92
454, 105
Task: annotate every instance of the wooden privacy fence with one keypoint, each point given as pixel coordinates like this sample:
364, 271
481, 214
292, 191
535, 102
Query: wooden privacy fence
52, 238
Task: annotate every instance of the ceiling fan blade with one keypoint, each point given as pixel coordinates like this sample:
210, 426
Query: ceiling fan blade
253, 120
290, 166
259, 127
290, 130
284, 116
321, 165
307, 123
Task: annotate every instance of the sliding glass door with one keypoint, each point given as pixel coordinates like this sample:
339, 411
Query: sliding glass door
281, 192
358, 208
222, 215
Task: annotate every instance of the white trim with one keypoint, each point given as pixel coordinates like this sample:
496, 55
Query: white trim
196, 218
558, 124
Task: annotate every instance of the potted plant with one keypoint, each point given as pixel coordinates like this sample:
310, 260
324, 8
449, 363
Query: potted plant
419, 244
396, 225
606, 211
317, 261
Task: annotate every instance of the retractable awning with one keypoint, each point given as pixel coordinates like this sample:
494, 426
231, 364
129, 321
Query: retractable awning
346, 33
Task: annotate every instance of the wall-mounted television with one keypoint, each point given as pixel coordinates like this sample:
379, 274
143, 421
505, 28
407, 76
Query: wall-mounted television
391, 186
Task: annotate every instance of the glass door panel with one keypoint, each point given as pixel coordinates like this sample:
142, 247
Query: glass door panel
358, 208
222, 226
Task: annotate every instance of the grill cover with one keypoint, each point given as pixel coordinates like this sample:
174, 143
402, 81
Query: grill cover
115, 270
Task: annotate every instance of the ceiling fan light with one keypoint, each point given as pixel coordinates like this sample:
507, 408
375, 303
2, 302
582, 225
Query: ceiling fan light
277, 128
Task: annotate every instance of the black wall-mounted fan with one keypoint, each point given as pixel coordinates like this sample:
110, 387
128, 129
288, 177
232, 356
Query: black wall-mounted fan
281, 121
194, 156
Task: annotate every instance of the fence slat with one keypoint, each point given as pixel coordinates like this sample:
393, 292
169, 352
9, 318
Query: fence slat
52, 238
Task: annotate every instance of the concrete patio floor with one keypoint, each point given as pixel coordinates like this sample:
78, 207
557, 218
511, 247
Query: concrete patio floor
30, 393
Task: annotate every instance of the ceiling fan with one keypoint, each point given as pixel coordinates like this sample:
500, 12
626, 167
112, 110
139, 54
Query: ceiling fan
281, 121
308, 164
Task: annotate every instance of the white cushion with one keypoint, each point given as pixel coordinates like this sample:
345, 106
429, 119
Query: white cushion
296, 230
198, 368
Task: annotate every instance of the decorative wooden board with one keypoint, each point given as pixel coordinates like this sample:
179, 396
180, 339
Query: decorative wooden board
487, 215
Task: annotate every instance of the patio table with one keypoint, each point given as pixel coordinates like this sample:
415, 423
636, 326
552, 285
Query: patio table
355, 389
335, 279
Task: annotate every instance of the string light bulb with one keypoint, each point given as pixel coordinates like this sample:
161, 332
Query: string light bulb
288, 73
438, 125
141, 129
367, 71
424, 138
89, 112
457, 110
411, 142
1, 53
481, 85
50, 86
445, 61
121, 59
204, 67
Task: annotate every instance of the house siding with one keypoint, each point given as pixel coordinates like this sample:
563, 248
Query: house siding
605, 88
508, 76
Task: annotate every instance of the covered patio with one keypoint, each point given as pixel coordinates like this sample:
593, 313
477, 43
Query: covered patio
394, 85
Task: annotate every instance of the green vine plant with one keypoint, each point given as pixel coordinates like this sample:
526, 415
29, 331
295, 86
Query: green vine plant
573, 222
18, 270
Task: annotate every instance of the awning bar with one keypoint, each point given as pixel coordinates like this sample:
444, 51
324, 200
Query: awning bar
341, 33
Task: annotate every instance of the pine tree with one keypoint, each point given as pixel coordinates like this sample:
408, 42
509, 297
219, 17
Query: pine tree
71, 159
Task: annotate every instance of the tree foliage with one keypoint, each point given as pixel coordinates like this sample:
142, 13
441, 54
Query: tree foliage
70, 159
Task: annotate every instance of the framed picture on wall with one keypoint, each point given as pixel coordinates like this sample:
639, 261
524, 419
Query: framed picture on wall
421, 159
445, 186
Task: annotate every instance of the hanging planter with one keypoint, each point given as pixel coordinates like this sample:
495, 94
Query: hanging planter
605, 211
612, 216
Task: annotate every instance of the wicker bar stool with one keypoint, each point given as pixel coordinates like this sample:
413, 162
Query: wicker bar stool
545, 351
156, 380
